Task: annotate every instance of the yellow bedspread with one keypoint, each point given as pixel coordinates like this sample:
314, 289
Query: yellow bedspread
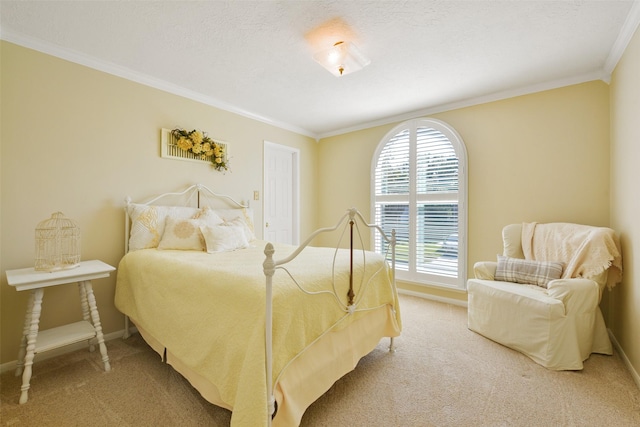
209, 311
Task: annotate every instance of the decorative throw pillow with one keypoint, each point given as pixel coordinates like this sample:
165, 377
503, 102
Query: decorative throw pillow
527, 271
243, 217
148, 223
208, 216
242, 223
222, 238
182, 234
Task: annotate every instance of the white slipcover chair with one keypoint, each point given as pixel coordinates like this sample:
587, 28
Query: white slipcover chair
558, 326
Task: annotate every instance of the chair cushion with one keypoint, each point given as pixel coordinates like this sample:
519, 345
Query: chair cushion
526, 271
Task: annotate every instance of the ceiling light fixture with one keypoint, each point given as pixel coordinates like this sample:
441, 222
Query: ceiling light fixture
342, 58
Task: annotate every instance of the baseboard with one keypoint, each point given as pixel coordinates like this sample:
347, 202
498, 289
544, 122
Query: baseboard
627, 362
433, 297
9, 366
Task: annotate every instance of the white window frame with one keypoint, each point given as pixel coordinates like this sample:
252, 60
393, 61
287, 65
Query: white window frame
457, 143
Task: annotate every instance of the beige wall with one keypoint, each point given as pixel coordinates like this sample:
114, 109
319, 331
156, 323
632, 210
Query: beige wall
78, 140
624, 300
541, 157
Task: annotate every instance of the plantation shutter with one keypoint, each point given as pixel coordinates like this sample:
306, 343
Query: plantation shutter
437, 203
417, 193
392, 191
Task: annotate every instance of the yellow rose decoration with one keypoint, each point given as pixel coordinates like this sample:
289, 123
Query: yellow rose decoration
197, 137
203, 147
185, 144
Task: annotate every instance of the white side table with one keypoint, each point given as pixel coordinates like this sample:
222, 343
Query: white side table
33, 342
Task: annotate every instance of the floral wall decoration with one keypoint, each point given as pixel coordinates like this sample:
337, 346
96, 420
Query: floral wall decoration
202, 146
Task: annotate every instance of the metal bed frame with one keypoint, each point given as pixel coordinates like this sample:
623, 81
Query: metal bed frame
351, 221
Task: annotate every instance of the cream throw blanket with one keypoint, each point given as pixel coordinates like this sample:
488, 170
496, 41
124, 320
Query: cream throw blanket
586, 251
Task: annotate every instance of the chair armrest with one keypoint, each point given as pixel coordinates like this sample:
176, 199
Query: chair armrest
485, 270
577, 295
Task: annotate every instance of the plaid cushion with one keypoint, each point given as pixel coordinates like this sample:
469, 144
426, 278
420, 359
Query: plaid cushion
529, 272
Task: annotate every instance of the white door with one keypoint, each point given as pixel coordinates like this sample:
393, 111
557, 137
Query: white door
281, 177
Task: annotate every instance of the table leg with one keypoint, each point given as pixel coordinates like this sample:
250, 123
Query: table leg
31, 344
86, 315
95, 317
25, 333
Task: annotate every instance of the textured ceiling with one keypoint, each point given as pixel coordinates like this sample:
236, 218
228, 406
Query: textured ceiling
255, 57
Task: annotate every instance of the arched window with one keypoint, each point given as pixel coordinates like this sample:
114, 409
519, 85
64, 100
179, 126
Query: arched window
419, 188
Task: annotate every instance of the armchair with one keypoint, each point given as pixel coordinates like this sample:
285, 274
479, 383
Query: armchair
552, 315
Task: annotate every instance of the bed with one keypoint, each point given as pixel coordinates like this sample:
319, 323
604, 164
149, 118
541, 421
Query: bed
258, 328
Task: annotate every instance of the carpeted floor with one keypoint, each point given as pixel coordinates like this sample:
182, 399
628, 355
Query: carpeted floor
442, 375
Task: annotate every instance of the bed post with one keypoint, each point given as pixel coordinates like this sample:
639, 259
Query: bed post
269, 269
392, 347
127, 231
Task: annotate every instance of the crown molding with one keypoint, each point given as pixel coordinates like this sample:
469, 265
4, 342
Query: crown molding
627, 31
126, 73
497, 96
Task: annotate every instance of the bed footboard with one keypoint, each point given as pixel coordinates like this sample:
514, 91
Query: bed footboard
349, 222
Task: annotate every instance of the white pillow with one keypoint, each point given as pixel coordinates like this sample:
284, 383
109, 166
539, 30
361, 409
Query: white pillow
148, 223
182, 234
209, 217
240, 222
222, 238
244, 214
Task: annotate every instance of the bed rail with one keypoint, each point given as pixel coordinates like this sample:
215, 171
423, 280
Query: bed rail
349, 221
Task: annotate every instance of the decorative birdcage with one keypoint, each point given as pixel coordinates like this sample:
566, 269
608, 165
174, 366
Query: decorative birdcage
57, 243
